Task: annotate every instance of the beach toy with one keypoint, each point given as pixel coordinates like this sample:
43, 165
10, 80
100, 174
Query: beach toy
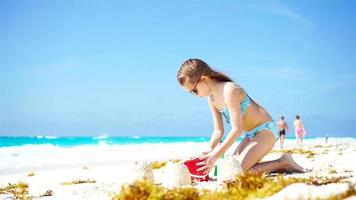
192, 167
229, 167
216, 168
142, 170
177, 175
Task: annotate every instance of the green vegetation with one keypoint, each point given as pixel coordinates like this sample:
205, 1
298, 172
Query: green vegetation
18, 190
78, 181
248, 186
31, 174
160, 164
308, 153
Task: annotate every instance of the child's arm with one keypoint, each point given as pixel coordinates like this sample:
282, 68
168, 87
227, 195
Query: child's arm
231, 97
218, 132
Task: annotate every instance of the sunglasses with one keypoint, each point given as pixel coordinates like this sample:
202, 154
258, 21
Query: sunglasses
194, 90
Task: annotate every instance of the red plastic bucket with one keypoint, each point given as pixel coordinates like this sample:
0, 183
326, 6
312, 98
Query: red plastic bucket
192, 167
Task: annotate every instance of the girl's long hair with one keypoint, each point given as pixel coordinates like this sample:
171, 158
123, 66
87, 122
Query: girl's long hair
192, 69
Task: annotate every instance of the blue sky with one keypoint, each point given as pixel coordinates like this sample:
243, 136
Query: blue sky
109, 67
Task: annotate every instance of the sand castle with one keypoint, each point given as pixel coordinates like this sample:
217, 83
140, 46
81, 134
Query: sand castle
228, 168
142, 170
177, 175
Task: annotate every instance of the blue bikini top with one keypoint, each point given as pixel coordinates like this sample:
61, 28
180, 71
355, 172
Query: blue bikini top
244, 104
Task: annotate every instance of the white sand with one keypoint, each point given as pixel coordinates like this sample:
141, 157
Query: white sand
111, 165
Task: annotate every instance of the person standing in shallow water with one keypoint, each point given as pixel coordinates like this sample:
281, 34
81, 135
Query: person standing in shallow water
283, 128
299, 130
231, 102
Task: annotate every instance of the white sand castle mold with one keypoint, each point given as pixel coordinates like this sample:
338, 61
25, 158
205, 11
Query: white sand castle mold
228, 168
142, 170
177, 175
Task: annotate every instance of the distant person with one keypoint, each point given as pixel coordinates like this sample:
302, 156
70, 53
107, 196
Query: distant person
299, 130
326, 138
230, 102
283, 128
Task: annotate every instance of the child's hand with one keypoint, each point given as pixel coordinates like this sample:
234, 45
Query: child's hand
207, 163
203, 153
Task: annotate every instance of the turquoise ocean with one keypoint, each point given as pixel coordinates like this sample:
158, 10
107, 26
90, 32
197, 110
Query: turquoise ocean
9, 141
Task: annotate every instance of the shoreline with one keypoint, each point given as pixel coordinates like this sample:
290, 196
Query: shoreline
74, 141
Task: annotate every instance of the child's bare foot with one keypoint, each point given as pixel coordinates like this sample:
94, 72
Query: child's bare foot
289, 164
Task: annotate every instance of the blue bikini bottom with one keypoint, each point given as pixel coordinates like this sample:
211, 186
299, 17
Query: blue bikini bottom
269, 126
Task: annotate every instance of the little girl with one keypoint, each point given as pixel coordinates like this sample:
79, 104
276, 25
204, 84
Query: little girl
228, 100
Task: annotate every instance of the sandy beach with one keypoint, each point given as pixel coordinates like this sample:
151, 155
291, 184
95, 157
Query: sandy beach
104, 168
